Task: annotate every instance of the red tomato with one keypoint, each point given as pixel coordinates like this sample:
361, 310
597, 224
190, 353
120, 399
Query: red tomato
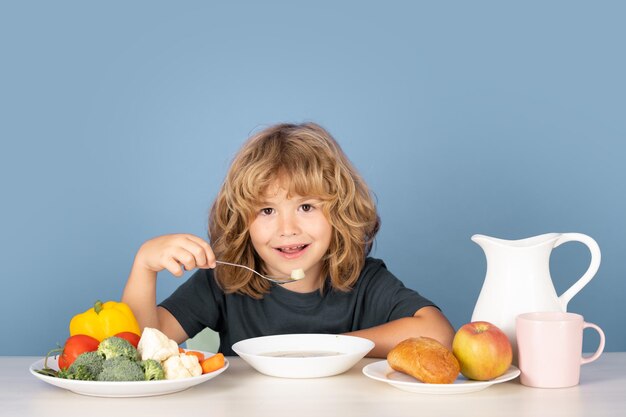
74, 346
130, 336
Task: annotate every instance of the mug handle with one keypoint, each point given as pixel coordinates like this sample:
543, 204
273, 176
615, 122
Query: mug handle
600, 349
591, 271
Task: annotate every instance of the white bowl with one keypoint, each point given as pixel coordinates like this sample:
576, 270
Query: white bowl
303, 355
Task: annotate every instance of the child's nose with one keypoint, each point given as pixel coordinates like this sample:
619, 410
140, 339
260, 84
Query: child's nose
288, 225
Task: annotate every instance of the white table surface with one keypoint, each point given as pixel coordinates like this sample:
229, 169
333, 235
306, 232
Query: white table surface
241, 391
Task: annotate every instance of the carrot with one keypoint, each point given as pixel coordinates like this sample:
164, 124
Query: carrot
212, 363
200, 355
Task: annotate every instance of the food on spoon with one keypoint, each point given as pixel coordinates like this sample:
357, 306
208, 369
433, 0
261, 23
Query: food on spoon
425, 359
297, 274
483, 350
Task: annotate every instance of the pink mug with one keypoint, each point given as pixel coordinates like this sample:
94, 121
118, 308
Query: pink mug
550, 348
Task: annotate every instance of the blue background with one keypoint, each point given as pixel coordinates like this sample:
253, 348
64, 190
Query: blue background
119, 120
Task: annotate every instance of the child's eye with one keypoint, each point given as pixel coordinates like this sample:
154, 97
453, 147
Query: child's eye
307, 207
266, 211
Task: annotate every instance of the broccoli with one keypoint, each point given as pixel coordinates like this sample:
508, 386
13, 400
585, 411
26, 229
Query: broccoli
113, 346
86, 367
120, 368
152, 369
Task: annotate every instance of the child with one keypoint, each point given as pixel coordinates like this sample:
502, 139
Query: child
291, 200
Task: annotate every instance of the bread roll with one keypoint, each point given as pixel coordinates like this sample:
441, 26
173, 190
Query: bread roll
425, 359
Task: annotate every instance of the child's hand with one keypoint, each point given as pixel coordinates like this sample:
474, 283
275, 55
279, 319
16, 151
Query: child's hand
175, 252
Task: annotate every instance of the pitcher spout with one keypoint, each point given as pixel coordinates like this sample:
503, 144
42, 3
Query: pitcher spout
484, 241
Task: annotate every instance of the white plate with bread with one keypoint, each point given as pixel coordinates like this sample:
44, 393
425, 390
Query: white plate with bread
381, 371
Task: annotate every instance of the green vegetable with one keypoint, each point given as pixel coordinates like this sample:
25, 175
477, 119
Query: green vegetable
121, 368
113, 346
86, 367
152, 370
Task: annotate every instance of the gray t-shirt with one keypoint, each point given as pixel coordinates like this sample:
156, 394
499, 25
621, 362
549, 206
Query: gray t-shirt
377, 297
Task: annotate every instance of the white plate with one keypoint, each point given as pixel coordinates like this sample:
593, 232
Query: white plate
123, 389
381, 371
343, 353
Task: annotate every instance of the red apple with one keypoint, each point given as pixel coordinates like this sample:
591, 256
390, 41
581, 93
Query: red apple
483, 350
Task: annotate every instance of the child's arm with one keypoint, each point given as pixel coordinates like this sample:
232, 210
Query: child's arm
427, 321
171, 252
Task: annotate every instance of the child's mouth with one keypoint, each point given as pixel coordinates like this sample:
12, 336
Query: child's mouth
290, 250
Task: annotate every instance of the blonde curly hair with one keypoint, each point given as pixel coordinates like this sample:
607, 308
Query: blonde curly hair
315, 165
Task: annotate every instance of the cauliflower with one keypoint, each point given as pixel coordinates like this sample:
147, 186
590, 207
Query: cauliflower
181, 366
155, 345
161, 349
192, 364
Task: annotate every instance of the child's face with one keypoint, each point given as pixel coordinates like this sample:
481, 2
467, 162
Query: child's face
290, 233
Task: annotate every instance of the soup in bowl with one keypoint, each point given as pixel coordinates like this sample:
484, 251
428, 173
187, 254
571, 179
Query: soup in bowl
303, 355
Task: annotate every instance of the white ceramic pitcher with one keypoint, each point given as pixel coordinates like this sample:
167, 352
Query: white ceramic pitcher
518, 278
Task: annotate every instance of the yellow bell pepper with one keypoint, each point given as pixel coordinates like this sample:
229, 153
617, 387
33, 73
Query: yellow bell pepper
105, 320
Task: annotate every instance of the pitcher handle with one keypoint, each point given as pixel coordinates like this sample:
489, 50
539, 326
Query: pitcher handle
591, 271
